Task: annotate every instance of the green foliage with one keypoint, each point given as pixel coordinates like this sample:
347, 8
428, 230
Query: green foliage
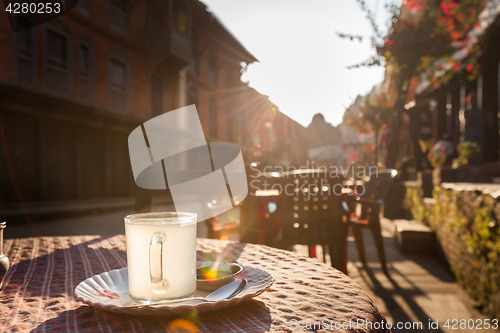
465, 150
413, 201
469, 234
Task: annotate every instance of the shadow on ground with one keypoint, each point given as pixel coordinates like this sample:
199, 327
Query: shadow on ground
418, 291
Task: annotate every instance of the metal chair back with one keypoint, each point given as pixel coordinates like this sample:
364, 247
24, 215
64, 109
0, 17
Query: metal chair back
309, 206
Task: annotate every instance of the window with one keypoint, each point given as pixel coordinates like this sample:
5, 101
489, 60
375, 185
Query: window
85, 72
213, 118
157, 95
118, 70
57, 48
25, 52
229, 129
181, 20
119, 15
212, 75
85, 7
195, 63
119, 83
195, 58
23, 37
193, 95
84, 57
57, 74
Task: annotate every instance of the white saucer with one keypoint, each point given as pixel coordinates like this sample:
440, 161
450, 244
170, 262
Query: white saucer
109, 291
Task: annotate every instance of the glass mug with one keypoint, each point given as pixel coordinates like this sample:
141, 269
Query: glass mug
161, 255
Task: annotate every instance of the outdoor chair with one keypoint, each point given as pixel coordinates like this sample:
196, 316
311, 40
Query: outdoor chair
372, 201
311, 213
259, 221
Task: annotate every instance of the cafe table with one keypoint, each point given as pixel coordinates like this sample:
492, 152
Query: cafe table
307, 295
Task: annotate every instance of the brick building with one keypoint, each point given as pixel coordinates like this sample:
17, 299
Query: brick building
72, 89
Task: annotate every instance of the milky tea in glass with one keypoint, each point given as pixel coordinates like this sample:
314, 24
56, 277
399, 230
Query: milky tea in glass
161, 255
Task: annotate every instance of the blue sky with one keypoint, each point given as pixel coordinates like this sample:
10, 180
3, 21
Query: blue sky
302, 61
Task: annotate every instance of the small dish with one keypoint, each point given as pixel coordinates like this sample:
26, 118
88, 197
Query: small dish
211, 276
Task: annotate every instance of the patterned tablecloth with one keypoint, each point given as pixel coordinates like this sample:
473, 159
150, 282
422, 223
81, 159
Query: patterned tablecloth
38, 291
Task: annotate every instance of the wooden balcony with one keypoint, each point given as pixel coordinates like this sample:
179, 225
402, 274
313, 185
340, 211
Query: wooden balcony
166, 44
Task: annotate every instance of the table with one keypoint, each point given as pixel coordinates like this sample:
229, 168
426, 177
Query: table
38, 290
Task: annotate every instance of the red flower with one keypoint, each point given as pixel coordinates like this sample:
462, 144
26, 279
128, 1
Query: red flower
451, 26
469, 68
412, 4
456, 67
445, 9
437, 85
388, 42
455, 35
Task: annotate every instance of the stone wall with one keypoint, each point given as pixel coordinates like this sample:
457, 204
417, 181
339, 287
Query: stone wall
466, 218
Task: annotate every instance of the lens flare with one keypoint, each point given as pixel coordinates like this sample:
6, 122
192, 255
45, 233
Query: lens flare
182, 326
209, 274
213, 272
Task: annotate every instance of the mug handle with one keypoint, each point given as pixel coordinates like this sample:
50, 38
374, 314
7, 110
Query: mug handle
156, 261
